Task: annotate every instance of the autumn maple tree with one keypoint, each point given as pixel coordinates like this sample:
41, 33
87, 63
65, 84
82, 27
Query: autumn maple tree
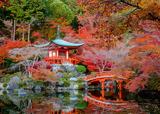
8, 46
40, 70
144, 60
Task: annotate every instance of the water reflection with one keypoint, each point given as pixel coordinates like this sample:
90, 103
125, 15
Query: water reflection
69, 102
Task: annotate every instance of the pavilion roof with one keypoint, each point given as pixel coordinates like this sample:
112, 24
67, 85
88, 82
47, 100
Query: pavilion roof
59, 41
64, 43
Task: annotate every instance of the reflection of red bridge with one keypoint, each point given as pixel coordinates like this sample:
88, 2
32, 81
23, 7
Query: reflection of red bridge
112, 105
104, 103
105, 76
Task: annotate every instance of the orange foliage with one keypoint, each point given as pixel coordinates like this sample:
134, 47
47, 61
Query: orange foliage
42, 71
61, 21
146, 48
10, 45
84, 33
3, 54
43, 74
39, 108
37, 35
1, 4
140, 40
144, 57
15, 44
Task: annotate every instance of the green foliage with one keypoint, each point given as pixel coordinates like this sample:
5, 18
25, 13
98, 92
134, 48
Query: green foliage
75, 24
131, 96
17, 9
61, 8
80, 83
4, 15
154, 82
27, 10
7, 77
65, 81
8, 62
35, 10
81, 68
81, 105
72, 4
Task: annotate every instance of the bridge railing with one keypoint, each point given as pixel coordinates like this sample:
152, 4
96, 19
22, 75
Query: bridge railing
103, 74
60, 60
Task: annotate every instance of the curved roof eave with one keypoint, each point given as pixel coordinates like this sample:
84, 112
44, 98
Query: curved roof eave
42, 45
65, 43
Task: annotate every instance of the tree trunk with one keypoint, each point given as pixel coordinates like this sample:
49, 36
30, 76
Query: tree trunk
29, 31
23, 32
23, 36
14, 30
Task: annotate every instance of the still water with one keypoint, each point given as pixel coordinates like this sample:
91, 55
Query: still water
66, 102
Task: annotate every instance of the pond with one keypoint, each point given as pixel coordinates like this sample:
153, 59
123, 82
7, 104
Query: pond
67, 102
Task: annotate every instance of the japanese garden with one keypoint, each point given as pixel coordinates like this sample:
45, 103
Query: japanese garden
79, 57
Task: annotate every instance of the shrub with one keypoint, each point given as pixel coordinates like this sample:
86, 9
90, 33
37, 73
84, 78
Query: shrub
81, 68
154, 82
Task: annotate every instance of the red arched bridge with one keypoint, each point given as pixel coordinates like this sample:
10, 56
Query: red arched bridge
106, 76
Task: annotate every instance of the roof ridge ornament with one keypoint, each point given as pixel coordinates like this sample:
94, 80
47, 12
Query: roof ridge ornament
58, 36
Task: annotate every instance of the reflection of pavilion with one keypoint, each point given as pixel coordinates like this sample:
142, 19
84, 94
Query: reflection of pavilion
49, 108
59, 50
55, 105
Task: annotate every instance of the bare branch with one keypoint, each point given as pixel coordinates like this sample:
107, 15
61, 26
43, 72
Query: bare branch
130, 4
123, 1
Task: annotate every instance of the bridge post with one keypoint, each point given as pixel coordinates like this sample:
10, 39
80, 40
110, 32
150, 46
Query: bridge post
102, 87
120, 89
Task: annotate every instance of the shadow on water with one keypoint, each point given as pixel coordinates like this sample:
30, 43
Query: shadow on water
69, 102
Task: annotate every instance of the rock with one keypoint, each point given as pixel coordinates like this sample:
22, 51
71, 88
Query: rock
21, 92
73, 79
56, 67
1, 92
38, 88
13, 83
1, 86
70, 67
73, 85
59, 75
67, 108
73, 98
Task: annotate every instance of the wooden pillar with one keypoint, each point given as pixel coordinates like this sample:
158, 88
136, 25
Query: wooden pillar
76, 111
62, 112
102, 87
50, 53
70, 112
120, 89
67, 54
54, 54
57, 52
